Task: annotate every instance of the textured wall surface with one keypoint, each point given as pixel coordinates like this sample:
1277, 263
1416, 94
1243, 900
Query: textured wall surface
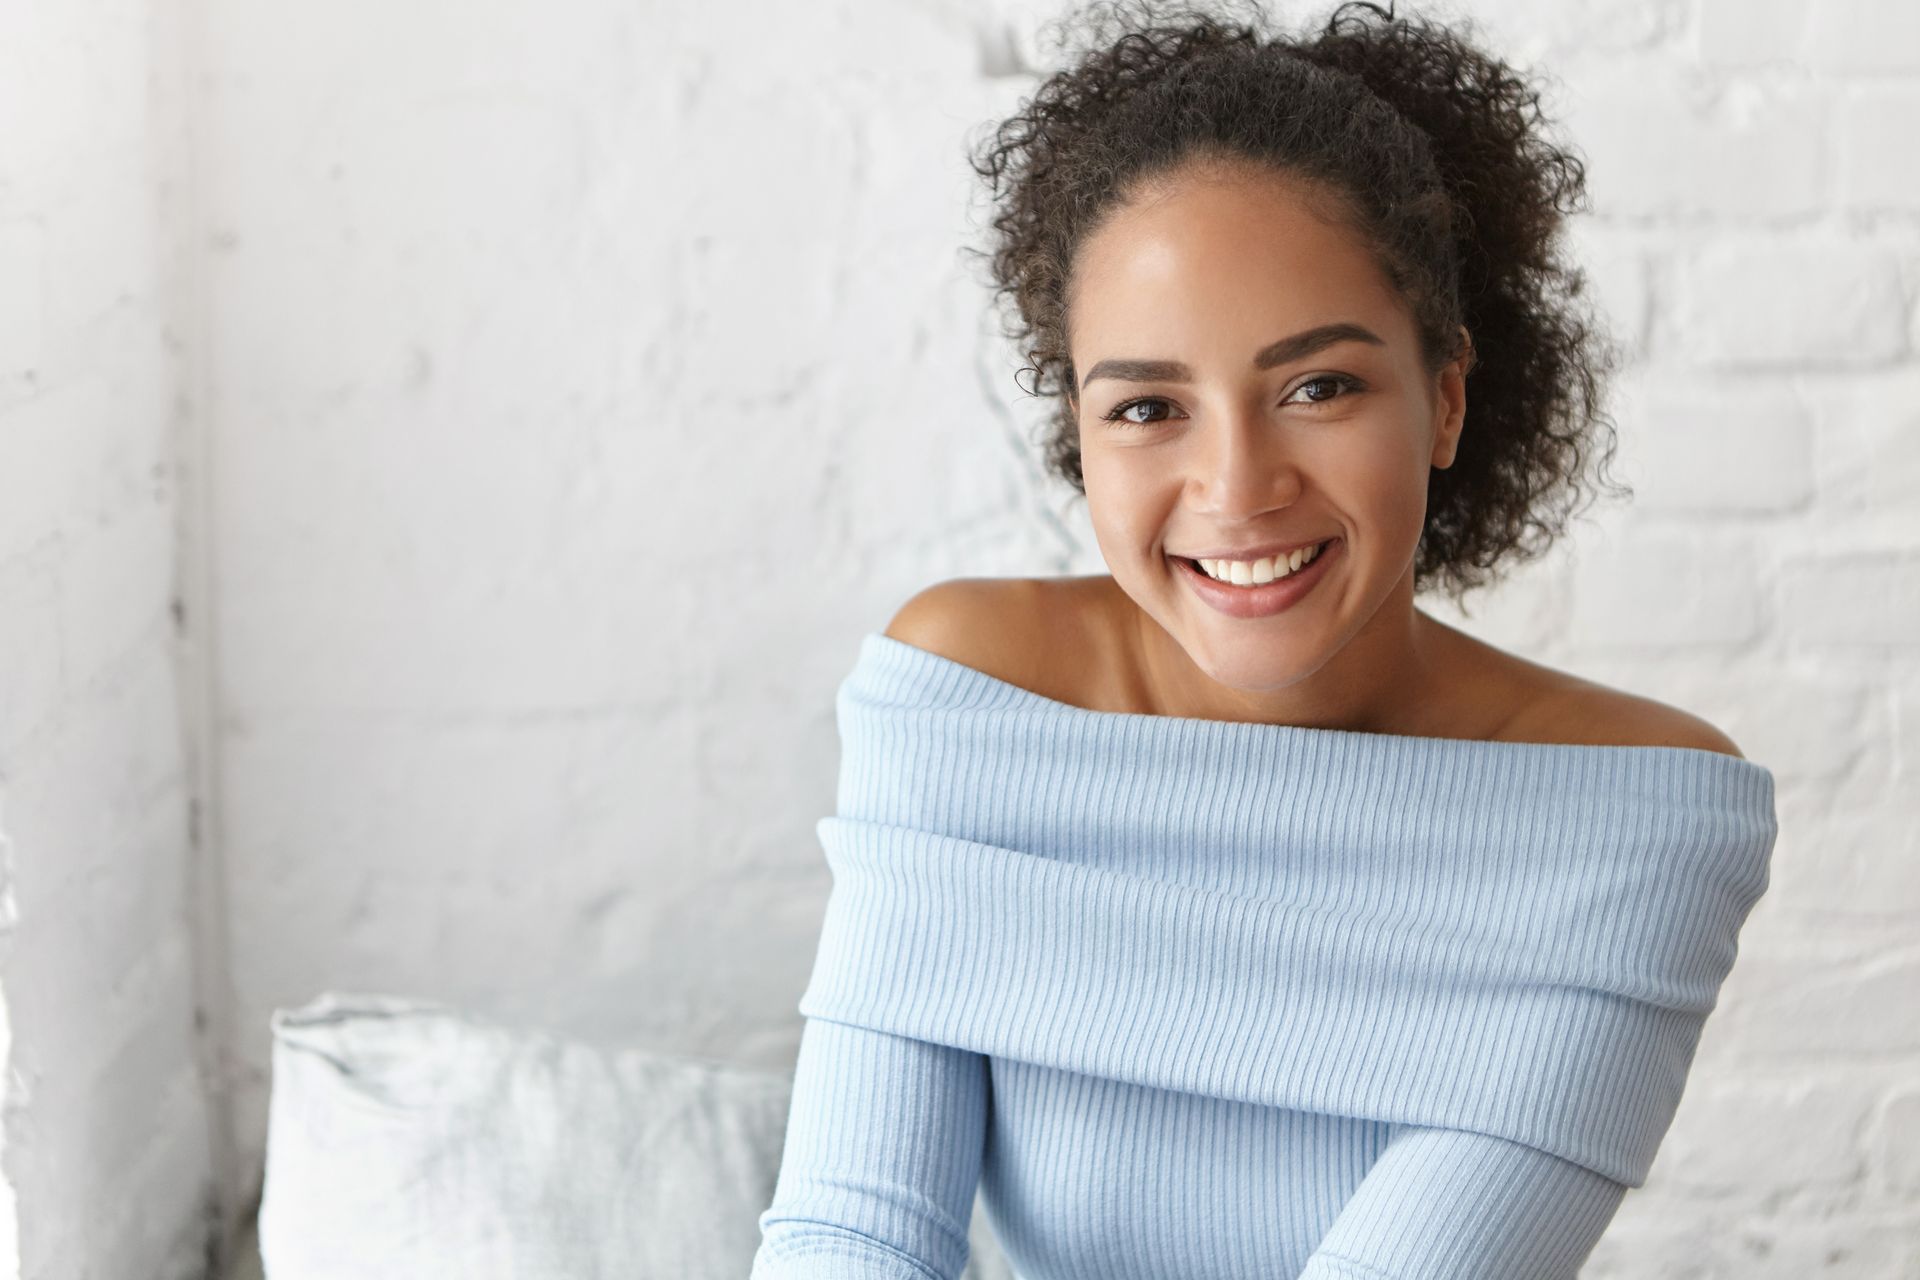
110, 1159
582, 380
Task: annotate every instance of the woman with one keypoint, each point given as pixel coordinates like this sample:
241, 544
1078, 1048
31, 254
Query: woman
1229, 915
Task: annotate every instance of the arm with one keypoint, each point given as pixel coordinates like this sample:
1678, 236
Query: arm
1448, 1204
881, 1160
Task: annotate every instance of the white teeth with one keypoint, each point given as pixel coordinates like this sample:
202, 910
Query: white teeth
1255, 572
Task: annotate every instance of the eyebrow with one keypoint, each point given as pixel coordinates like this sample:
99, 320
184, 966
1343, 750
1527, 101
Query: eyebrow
1297, 347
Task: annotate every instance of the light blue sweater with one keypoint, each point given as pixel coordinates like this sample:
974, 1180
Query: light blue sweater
1192, 998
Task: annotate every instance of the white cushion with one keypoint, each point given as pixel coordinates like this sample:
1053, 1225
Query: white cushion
406, 1139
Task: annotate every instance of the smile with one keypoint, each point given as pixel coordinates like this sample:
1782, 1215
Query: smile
1251, 599
1250, 573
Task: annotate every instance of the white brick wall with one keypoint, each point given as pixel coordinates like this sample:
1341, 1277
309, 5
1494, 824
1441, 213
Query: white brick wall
109, 1147
569, 388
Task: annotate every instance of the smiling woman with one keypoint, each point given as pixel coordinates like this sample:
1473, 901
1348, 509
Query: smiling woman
1230, 915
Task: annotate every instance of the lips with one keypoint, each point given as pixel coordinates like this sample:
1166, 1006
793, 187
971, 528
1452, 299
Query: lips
1264, 599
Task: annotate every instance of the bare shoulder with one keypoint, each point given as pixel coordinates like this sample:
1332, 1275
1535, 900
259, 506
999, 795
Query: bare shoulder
1583, 711
1031, 632
976, 622
1506, 697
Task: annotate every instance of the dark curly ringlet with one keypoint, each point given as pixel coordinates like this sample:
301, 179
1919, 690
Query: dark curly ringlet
1429, 148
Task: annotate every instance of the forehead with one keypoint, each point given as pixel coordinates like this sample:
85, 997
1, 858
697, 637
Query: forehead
1223, 252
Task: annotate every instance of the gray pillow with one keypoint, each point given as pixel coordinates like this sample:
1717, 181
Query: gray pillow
406, 1139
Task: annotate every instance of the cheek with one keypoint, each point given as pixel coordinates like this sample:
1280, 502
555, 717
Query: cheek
1123, 481
1129, 502
1378, 481
1397, 501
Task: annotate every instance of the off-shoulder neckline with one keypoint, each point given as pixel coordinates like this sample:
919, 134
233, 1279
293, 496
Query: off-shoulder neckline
1304, 733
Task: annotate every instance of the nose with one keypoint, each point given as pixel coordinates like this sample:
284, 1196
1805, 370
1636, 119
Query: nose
1243, 466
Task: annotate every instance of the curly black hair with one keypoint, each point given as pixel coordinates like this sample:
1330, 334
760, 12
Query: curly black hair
1431, 149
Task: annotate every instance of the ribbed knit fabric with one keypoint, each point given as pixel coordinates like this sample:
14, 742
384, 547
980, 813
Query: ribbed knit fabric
1197, 998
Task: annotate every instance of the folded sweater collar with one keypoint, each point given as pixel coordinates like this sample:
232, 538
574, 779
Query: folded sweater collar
1517, 938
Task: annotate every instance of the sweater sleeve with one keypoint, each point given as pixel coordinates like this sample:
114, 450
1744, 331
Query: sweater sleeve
1450, 1204
881, 1160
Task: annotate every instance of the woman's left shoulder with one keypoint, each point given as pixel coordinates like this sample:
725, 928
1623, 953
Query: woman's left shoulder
1529, 701
1576, 710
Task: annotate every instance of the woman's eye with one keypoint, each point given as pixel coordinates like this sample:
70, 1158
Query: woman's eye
1340, 381
1116, 414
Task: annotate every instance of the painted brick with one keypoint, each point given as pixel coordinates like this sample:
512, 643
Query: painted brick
114, 587
108, 1130
1794, 1011
1876, 125
1804, 1132
23, 302
1744, 33
1791, 304
1863, 599
1672, 145
1894, 1146
1867, 456
1864, 37
29, 653
1621, 282
1857, 860
1597, 30
1649, 590
1712, 447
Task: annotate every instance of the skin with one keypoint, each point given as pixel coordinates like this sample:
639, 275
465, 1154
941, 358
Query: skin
1208, 269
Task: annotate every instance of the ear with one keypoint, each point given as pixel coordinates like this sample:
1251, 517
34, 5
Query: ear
1450, 406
